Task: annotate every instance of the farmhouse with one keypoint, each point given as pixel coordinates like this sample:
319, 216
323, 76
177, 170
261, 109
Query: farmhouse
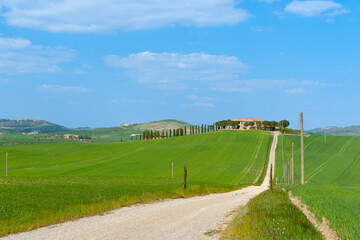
71, 136
251, 122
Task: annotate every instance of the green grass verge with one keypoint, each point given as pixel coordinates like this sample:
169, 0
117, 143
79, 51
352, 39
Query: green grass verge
270, 216
28, 203
332, 174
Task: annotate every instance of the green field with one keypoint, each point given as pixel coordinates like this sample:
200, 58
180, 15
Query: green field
51, 183
332, 174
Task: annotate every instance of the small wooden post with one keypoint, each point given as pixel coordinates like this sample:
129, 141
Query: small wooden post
185, 176
172, 169
6, 164
271, 179
292, 165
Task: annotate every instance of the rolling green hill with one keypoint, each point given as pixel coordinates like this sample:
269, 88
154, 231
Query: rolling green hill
337, 131
118, 134
99, 135
29, 125
55, 182
332, 174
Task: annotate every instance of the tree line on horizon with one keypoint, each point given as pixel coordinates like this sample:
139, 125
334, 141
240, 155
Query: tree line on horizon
206, 128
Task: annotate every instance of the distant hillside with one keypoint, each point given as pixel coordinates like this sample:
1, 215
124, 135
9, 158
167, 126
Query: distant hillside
338, 131
29, 125
10, 131
117, 134
160, 125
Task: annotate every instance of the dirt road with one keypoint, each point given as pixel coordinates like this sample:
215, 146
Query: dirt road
171, 219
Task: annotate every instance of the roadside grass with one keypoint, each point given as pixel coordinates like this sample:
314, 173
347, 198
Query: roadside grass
332, 174
51, 183
270, 216
28, 203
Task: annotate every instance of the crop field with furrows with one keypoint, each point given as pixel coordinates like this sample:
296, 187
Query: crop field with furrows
332, 176
51, 183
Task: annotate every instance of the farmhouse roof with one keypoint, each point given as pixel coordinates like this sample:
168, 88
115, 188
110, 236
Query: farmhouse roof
247, 120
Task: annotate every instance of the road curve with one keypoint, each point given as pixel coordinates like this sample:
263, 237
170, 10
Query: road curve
170, 219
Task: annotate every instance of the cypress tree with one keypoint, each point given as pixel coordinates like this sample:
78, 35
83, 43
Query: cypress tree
185, 131
202, 128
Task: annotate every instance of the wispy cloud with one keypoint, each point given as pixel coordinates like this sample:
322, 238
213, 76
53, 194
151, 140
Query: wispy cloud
255, 85
62, 89
177, 70
18, 56
295, 91
269, 1
129, 101
259, 29
315, 8
73, 16
198, 105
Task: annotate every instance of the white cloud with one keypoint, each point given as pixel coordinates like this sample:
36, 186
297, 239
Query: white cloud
84, 16
14, 43
198, 105
269, 1
294, 91
177, 70
259, 29
315, 8
62, 89
18, 56
192, 97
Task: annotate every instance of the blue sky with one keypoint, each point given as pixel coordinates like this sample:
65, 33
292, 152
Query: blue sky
102, 63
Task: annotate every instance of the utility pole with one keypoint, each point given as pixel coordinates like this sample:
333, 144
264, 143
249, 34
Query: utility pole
6, 164
302, 147
292, 165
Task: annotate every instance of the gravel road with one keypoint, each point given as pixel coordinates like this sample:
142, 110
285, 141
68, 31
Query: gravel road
170, 219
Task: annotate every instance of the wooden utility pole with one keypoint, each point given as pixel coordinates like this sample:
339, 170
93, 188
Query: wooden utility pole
302, 147
6, 164
292, 165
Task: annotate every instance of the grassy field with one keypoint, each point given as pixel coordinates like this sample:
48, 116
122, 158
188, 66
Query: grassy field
51, 183
270, 216
332, 174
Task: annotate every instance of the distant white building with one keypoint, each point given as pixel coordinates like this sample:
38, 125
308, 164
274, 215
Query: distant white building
31, 133
125, 125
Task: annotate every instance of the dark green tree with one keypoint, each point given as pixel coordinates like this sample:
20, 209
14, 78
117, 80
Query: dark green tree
273, 125
283, 124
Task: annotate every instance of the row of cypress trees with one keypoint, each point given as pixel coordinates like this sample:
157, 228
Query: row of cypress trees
166, 133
